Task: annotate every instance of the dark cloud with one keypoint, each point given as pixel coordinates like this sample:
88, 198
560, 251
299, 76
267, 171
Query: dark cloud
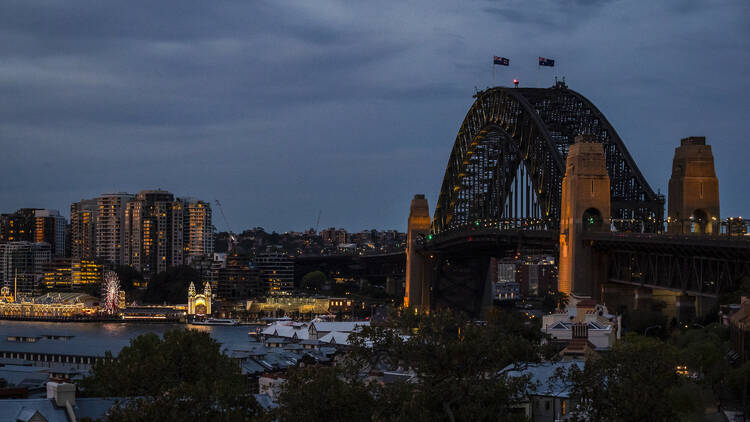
281, 109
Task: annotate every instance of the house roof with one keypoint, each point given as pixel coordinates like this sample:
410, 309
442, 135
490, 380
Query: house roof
15, 410
335, 337
340, 326
287, 330
542, 379
265, 401
24, 376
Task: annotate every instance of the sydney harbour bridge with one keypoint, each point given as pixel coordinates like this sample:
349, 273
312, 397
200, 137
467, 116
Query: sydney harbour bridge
541, 170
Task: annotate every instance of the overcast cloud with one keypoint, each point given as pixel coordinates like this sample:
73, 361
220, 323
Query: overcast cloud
280, 109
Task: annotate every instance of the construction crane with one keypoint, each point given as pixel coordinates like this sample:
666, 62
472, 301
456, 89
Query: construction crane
232, 237
317, 223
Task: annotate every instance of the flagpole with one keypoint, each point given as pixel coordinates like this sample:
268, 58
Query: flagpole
493, 72
538, 73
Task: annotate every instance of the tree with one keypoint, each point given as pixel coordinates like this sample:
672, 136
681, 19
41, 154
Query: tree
182, 376
314, 281
638, 321
324, 394
636, 381
128, 276
171, 286
459, 364
555, 300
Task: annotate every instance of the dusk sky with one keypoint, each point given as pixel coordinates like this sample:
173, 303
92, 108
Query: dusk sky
280, 109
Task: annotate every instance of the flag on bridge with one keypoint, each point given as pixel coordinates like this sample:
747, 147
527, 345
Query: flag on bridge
502, 61
546, 62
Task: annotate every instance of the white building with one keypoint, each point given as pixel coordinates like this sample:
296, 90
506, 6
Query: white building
326, 332
603, 328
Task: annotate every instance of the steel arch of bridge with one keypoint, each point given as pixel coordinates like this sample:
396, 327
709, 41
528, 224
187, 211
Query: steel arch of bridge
527, 131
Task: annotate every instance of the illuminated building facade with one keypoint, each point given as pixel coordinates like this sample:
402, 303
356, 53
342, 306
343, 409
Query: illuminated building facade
277, 270
110, 227
150, 231
154, 231
58, 273
289, 304
72, 273
36, 226
83, 217
333, 236
239, 282
86, 272
18, 226
198, 229
199, 304
51, 227
49, 305
22, 266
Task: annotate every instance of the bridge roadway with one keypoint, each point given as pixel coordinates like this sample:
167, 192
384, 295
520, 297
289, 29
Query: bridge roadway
470, 240
704, 265
701, 265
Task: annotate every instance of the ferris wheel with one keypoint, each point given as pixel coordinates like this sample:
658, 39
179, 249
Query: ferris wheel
111, 292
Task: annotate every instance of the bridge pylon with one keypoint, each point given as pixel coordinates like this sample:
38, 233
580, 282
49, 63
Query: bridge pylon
693, 189
585, 207
417, 292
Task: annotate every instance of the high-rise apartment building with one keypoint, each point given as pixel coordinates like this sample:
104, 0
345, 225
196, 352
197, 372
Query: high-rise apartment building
18, 226
110, 227
83, 216
22, 266
198, 229
51, 227
35, 225
154, 224
150, 231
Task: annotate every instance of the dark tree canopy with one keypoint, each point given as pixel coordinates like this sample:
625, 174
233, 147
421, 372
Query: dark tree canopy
183, 376
171, 286
314, 281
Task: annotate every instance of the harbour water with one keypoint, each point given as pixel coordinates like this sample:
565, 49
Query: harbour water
114, 336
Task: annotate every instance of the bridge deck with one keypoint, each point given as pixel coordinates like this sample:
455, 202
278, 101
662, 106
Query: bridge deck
471, 239
719, 247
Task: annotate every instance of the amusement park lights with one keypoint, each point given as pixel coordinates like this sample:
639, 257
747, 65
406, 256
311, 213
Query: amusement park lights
111, 292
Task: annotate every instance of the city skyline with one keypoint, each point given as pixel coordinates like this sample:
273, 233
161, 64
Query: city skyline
281, 111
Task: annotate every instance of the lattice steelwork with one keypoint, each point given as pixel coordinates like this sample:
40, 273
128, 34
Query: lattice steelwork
508, 162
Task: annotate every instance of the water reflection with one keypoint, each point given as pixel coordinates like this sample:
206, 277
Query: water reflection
231, 337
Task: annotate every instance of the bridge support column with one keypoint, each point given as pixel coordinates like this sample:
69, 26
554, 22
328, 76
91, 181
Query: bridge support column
585, 206
685, 306
643, 298
693, 189
418, 268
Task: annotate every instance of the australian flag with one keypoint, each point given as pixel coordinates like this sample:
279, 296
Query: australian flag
546, 62
502, 61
